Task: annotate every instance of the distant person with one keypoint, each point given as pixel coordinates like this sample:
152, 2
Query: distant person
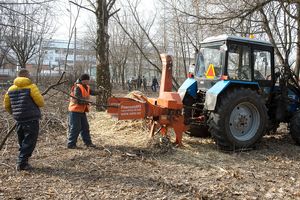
134, 83
139, 82
191, 71
129, 84
78, 123
145, 83
23, 100
154, 84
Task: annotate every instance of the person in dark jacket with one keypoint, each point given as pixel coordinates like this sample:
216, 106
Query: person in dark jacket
154, 84
78, 107
23, 100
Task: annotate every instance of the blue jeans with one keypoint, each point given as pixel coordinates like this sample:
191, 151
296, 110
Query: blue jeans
27, 138
78, 124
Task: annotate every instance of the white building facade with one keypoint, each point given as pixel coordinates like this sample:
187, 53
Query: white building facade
60, 55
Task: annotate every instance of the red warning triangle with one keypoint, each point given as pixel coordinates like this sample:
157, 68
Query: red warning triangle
210, 73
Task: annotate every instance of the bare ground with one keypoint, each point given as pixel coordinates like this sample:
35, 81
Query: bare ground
127, 165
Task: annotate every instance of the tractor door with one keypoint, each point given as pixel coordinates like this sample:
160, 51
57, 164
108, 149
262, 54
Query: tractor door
263, 64
238, 62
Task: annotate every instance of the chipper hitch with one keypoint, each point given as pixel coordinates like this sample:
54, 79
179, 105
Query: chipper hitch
165, 112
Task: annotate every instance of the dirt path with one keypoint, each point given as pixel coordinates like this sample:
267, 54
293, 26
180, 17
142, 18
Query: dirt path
126, 166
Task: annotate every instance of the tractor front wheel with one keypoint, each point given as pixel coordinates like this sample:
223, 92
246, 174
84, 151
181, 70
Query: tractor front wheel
239, 120
295, 127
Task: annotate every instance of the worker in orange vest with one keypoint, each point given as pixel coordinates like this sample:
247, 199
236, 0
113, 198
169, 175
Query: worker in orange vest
78, 123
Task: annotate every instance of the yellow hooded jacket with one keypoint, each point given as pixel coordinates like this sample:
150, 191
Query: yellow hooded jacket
23, 100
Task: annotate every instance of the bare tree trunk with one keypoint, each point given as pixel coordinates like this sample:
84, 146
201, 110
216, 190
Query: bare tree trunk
102, 51
123, 76
140, 69
297, 67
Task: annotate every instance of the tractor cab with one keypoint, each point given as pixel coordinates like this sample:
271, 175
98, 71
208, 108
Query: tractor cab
234, 58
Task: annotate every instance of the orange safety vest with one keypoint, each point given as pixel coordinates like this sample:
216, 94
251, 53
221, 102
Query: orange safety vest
74, 106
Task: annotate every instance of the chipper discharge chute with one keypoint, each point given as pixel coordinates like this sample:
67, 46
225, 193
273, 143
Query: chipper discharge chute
165, 112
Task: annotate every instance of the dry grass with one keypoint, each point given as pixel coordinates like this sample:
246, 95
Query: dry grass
127, 166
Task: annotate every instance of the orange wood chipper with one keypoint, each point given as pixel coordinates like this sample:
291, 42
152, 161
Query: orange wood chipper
165, 112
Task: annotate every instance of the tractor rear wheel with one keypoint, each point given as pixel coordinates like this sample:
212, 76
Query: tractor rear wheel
239, 120
295, 127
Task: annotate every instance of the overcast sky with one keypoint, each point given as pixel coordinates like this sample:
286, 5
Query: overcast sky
63, 18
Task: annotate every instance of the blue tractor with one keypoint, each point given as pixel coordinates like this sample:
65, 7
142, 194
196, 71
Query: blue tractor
236, 94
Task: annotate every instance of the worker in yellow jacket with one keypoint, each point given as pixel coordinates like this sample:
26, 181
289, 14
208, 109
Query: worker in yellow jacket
23, 100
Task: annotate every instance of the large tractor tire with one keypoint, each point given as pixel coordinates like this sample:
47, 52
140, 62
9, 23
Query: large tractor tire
239, 120
295, 127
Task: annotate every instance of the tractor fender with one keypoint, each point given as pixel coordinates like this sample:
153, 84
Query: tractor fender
212, 94
190, 87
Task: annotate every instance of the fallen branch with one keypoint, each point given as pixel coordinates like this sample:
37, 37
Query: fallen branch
59, 82
86, 101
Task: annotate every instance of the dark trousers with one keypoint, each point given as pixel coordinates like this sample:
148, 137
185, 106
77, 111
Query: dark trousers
27, 137
153, 87
78, 124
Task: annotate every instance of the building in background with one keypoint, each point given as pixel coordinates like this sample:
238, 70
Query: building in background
55, 57
72, 58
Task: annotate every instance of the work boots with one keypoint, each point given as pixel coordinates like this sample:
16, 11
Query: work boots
24, 167
91, 145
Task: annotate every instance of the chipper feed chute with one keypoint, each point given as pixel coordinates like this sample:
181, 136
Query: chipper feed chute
165, 112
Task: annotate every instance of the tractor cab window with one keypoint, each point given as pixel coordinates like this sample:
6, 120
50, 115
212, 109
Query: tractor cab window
209, 62
262, 65
239, 62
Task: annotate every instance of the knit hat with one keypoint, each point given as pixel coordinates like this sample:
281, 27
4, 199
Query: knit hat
84, 77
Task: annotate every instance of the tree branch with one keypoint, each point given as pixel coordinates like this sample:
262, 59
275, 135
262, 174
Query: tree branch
110, 15
86, 8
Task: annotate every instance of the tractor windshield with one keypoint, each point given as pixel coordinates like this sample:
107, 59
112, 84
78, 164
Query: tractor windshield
209, 62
